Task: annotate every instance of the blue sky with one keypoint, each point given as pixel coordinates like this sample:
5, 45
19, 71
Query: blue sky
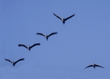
81, 41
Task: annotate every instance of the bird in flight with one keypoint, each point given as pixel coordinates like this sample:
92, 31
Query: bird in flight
94, 65
63, 19
47, 36
28, 47
15, 61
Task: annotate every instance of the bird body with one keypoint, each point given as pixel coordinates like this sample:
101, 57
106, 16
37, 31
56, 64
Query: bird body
63, 19
15, 61
28, 47
47, 36
94, 65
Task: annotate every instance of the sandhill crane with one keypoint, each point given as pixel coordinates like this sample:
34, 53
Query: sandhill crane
94, 65
63, 19
28, 47
47, 36
15, 61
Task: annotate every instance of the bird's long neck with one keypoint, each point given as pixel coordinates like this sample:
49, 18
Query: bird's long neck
63, 22
94, 65
13, 63
47, 38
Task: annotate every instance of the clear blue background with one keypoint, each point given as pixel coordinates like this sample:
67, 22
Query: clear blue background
82, 40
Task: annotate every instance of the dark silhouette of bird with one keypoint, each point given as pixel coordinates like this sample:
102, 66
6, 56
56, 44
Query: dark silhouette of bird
46, 36
15, 61
28, 47
94, 65
63, 19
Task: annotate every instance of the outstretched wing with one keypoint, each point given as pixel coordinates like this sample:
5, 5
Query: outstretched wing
69, 17
98, 66
40, 34
35, 45
52, 34
89, 66
57, 16
18, 60
9, 60
22, 45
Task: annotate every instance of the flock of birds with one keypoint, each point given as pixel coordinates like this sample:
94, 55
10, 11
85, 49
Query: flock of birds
47, 36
